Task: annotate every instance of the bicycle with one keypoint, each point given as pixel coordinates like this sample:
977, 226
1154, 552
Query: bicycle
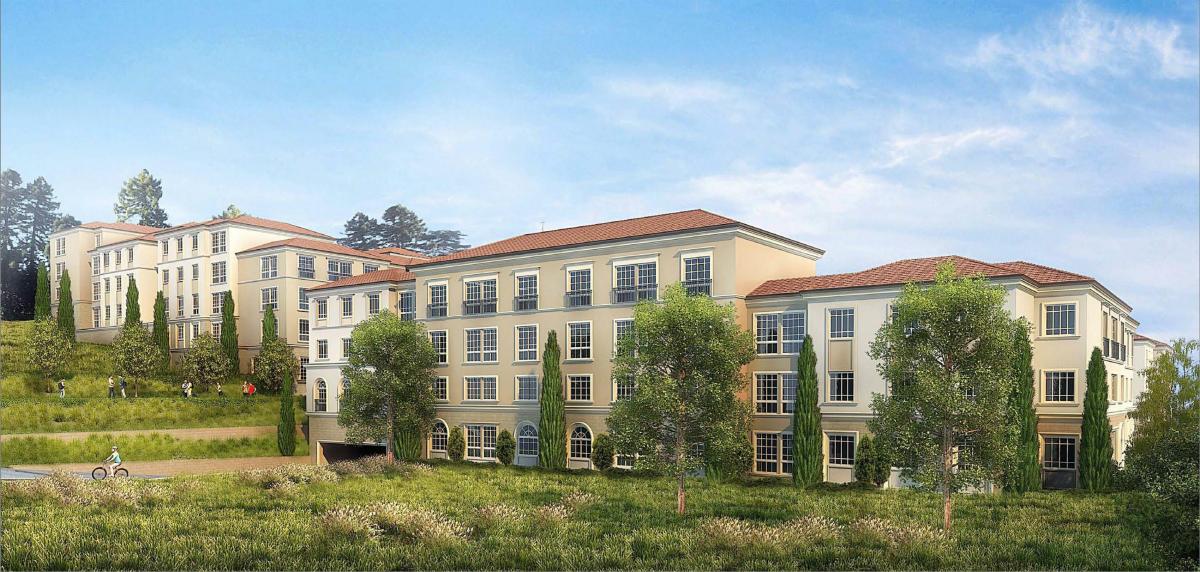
100, 473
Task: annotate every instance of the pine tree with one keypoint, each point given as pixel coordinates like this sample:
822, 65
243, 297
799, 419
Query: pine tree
552, 442
133, 305
270, 327
362, 232
1095, 446
806, 420
287, 417
1026, 474
159, 332
66, 307
229, 333
41, 305
41, 214
401, 227
139, 197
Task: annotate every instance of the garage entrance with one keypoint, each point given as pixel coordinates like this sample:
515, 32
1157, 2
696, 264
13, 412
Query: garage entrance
334, 452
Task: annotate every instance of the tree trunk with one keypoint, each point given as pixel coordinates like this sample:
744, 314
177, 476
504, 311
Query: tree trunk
946, 467
680, 497
391, 435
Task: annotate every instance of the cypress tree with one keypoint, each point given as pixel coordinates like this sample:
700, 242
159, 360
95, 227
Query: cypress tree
270, 327
552, 441
229, 335
162, 340
1025, 475
66, 307
1095, 446
407, 443
806, 420
864, 460
41, 304
287, 417
456, 444
133, 305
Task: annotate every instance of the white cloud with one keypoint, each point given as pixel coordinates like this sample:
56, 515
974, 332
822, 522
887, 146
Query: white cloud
674, 94
934, 146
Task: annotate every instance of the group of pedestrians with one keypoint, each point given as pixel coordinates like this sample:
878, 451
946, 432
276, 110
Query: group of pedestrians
112, 387
185, 388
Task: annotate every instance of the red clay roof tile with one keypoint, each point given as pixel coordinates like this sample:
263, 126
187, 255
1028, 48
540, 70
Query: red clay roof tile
386, 275
321, 245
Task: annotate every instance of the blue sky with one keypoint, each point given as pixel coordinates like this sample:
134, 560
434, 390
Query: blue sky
1065, 134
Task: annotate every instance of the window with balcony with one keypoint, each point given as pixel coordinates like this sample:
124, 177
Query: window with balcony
527, 293
480, 297
635, 282
481, 345
527, 343
841, 323
579, 340
1060, 319
697, 275
437, 301
218, 242
579, 287
269, 266
481, 388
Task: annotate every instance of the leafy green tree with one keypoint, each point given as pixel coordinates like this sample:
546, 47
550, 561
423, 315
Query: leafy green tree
552, 427
229, 332
602, 452
136, 355
686, 356
947, 358
1095, 441
286, 434
1026, 473
139, 198
204, 362
133, 305
506, 446
807, 455
49, 350
162, 341
730, 454
456, 445
41, 306
870, 463
391, 374
362, 232
230, 211
275, 360
401, 227
270, 327
66, 307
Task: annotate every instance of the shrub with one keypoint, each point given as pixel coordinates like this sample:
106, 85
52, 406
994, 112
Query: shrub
602, 452
378, 465
455, 444
506, 446
285, 476
870, 465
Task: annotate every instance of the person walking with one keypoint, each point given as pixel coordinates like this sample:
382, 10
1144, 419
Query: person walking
112, 388
252, 390
122, 383
245, 390
183, 389
62, 389
220, 392
189, 388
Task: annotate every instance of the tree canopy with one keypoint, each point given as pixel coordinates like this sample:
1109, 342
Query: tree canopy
139, 198
399, 227
28, 215
204, 362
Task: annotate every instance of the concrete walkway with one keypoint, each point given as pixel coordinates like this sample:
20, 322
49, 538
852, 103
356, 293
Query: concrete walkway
194, 433
164, 468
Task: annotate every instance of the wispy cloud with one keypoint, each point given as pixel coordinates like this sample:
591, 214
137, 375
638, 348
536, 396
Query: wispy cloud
931, 147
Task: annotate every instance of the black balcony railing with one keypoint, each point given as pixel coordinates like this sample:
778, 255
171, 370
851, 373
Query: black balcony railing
1114, 350
630, 294
578, 298
526, 302
437, 310
698, 287
481, 306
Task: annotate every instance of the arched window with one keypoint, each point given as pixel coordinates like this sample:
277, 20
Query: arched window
438, 436
527, 441
581, 443
319, 398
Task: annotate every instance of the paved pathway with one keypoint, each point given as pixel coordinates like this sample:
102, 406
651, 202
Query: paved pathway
194, 433
161, 468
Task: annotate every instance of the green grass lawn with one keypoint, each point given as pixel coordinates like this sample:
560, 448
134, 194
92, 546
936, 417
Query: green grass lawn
153, 447
472, 517
37, 415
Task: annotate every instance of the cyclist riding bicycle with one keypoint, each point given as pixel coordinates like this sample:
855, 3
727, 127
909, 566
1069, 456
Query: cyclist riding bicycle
113, 461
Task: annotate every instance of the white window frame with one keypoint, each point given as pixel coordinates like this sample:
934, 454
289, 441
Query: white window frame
591, 387
571, 342
591, 441
483, 352
517, 343
781, 404
853, 324
481, 433
218, 242
269, 297
829, 387
219, 272
444, 356
444, 383
537, 287
1074, 319
536, 439
829, 437
517, 379
781, 341
483, 388
306, 271
302, 330
1045, 395
439, 441
347, 306
268, 266
780, 454
322, 349
374, 303
322, 308
302, 302
691, 255
1058, 465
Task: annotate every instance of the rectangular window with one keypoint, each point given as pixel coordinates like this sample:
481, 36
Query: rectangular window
166, 246
1060, 385
841, 386
218, 272
481, 441
179, 244
270, 298
303, 370
527, 292
579, 387
195, 329
269, 266
117, 258
766, 452
635, 282
302, 299
841, 450
179, 306
527, 388
60, 246
580, 340
579, 287
623, 388
166, 276
527, 343
303, 329
792, 326
322, 309
308, 267
129, 255
697, 275
339, 269
481, 345
408, 305
441, 388
196, 241
480, 297
95, 291
322, 349
841, 323
195, 304
370, 268
118, 283
107, 285
218, 242
1060, 319
195, 272
179, 336
179, 275
481, 388
621, 328
96, 317
766, 333
216, 332
105, 256
347, 306
372, 303
107, 315
774, 392
785, 453
95, 266
437, 300
218, 303
346, 343
440, 345
1059, 453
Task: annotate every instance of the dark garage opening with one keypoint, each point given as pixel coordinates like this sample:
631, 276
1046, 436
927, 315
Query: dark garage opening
335, 452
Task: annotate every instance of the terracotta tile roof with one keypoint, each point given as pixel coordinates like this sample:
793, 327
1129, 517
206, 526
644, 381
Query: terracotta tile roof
321, 245
250, 221
641, 227
1140, 338
122, 226
386, 275
397, 251
916, 270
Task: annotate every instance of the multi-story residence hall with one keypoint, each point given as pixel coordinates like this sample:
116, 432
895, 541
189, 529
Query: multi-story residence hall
263, 263
488, 310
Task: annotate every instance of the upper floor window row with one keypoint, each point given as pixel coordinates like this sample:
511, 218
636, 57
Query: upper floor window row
1060, 319
480, 297
339, 269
